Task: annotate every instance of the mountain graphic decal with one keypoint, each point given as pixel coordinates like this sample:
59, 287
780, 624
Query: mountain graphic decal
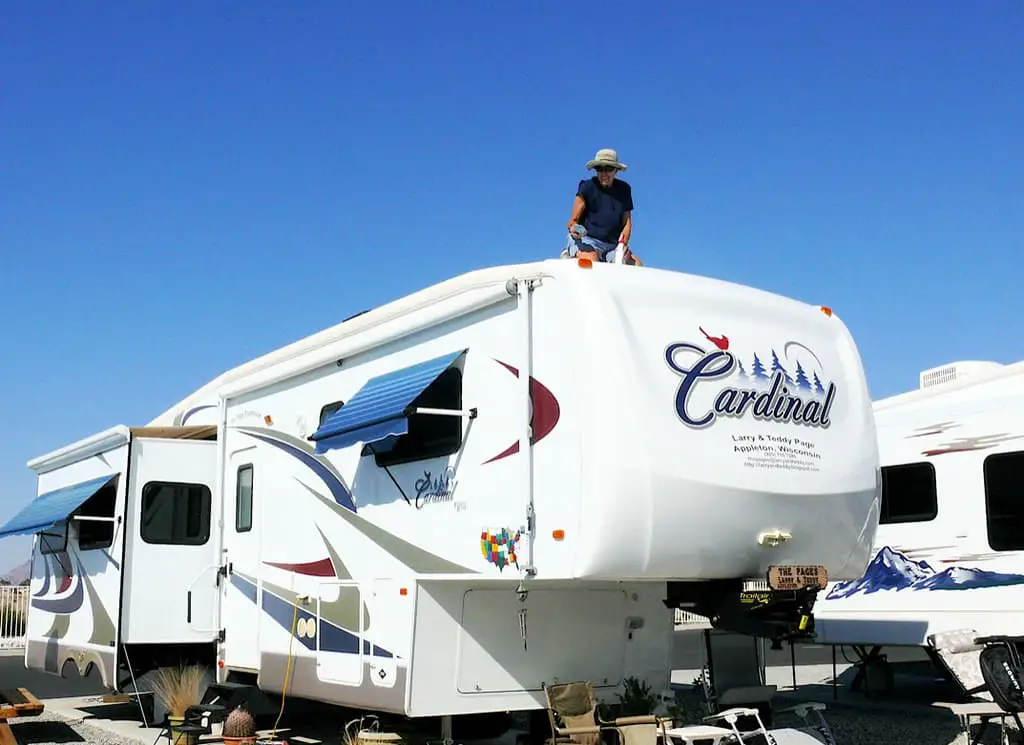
892, 570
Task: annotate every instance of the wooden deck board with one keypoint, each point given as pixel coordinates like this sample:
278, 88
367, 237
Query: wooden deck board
18, 702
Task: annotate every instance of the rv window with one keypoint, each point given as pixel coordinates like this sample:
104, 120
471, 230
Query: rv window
243, 499
175, 513
329, 409
908, 493
54, 540
1004, 500
430, 435
93, 533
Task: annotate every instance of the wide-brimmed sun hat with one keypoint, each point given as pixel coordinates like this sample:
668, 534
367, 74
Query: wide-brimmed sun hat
607, 157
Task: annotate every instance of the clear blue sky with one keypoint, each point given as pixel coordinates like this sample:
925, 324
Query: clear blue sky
185, 186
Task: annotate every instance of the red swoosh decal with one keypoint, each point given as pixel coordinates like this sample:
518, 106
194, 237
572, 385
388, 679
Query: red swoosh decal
964, 449
546, 412
321, 568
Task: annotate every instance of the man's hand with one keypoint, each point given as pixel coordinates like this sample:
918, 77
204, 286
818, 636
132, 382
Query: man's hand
627, 229
632, 259
578, 205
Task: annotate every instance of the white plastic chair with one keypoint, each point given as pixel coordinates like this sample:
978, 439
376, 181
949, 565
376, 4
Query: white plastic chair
699, 734
819, 726
778, 735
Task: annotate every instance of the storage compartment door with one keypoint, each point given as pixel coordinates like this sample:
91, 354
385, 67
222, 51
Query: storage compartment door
339, 633
507, 645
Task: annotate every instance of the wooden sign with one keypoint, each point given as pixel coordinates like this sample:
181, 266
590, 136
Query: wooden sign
797, 576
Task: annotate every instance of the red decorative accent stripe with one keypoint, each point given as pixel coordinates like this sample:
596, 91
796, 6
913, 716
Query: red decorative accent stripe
321, 568
546, 413
943, 451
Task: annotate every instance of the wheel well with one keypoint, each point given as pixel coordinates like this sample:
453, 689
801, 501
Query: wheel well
138, 659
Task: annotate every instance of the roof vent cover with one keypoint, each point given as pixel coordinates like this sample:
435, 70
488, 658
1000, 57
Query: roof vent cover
956, 373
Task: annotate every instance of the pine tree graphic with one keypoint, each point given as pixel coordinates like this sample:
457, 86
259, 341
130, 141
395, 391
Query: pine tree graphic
801, 377
757, 370
777, 367
743, 373
818, 387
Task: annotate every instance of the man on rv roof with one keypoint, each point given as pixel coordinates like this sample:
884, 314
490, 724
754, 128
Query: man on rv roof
602, 213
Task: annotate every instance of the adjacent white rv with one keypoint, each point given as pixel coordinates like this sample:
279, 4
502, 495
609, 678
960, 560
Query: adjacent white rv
435, 507
950, 548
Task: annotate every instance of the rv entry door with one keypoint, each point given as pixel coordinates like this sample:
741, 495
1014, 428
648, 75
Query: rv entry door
171, 564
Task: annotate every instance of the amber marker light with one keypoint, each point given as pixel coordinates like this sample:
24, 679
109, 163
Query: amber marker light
826, 310
558, 534
584, 262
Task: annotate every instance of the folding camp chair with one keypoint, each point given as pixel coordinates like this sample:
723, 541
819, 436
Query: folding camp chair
959, 652
736, 673
572, 712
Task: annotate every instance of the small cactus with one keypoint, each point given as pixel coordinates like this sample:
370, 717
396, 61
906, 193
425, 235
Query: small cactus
239, 724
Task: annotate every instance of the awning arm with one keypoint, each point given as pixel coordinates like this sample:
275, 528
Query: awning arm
471, 413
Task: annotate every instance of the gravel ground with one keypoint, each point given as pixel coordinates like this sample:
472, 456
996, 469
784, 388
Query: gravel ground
872, 727
850, 726
855, 725
50, 728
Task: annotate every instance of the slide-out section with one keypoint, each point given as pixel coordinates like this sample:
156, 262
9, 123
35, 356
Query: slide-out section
76, 569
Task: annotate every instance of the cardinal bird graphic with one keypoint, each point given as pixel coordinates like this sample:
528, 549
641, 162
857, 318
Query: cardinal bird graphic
722, 342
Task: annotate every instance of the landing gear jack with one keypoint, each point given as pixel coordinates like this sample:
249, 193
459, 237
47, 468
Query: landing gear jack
777, 615
446, 731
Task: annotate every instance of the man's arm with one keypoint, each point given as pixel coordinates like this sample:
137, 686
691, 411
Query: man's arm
627, 227
577, 209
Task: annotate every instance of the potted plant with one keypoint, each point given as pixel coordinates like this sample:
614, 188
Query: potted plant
177, 689
239, 728
636, 699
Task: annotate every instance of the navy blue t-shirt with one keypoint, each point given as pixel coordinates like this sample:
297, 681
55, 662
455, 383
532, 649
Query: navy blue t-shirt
603, 216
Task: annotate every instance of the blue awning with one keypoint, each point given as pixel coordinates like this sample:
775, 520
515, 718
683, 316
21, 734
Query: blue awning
48, 509
380, 409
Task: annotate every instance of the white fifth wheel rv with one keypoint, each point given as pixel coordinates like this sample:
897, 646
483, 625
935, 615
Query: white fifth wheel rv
949, 553
434, 508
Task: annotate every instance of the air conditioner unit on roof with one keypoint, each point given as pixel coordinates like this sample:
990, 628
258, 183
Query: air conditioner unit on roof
957, 373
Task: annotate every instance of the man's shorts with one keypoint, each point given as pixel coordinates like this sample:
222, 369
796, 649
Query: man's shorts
574, 244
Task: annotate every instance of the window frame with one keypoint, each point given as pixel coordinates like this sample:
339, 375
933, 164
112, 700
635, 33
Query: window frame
401, 453
206, 515
239, 528
915, 518
111, 485
43, 535
329, 409
988, 488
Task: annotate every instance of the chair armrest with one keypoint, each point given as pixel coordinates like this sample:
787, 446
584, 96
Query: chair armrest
997, 638
623, 721
739, 711
581, 730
